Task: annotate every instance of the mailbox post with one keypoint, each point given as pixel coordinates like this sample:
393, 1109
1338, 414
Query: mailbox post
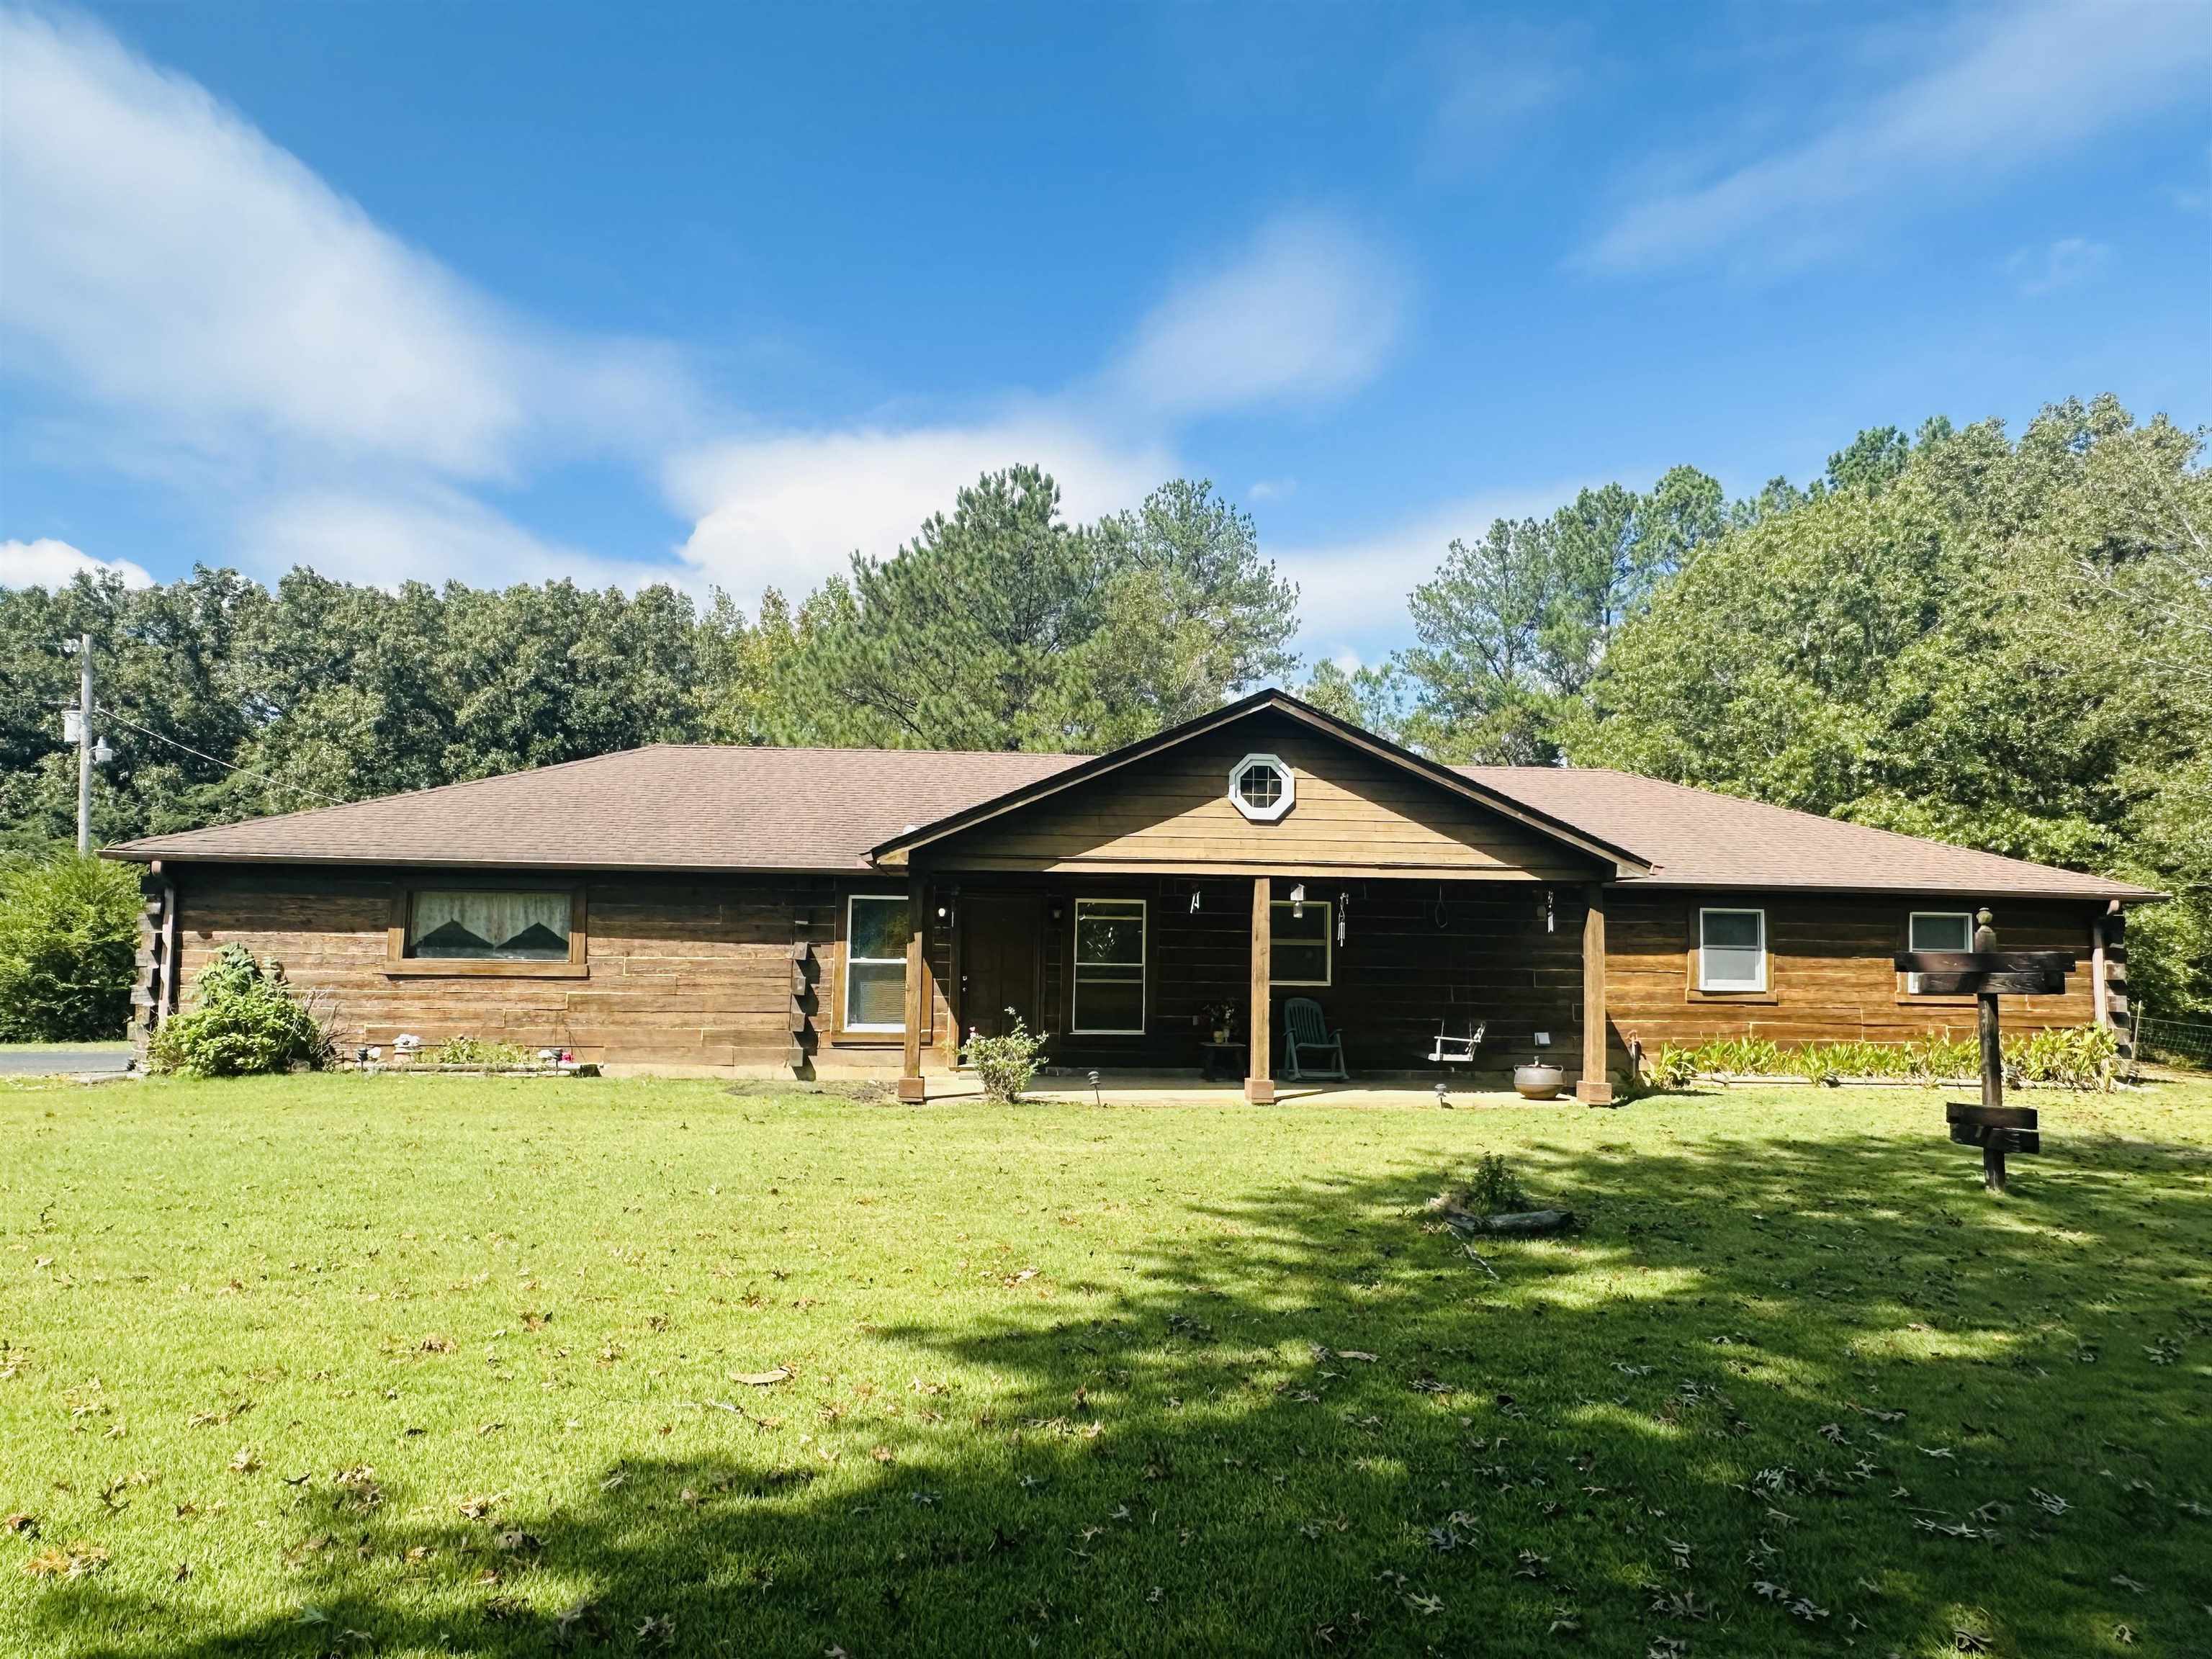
1988, 972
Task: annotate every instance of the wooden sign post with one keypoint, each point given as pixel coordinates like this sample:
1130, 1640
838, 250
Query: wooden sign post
1988, 972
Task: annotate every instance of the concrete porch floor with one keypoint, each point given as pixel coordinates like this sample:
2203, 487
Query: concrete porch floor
1188, 1089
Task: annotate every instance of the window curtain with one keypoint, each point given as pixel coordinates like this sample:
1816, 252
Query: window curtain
516, 927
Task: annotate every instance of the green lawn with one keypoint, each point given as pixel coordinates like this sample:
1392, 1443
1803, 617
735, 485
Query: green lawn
430, 1366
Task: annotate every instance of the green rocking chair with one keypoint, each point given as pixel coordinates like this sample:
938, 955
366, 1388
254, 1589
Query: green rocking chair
1305, 1031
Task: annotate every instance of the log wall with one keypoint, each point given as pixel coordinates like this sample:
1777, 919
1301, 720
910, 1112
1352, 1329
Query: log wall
1829, 977
680, 972
700, 972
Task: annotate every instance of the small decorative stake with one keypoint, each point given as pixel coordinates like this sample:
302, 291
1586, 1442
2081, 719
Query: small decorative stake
1988, 972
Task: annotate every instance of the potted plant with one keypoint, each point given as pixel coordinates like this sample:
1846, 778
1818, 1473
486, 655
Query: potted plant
1220, 1018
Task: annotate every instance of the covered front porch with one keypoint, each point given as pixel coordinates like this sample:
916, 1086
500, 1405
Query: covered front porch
1176, 986
1210, 879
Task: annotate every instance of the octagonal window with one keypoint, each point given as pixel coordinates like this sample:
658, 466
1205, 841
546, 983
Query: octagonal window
1262, 788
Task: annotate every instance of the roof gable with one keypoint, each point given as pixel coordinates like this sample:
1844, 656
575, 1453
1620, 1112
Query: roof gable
1162, 804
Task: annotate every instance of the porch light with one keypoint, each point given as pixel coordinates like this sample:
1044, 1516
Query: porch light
1299, 900
1194, 900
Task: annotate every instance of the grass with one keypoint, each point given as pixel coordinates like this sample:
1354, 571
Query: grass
437, 1365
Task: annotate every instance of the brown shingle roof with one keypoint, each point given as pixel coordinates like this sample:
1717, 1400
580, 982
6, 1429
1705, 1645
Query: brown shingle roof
1696, 838
707, 807
667, 807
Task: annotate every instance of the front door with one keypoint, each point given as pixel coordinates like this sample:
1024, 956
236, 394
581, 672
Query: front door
999, 959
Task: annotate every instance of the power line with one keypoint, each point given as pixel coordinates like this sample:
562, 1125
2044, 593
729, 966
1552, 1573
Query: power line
202, 754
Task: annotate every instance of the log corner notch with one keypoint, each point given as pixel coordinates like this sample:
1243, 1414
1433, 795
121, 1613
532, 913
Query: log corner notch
1595, 1088
154, 997
1259, 1069
912, 1089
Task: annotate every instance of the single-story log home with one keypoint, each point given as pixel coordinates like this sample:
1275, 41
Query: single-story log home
825, 911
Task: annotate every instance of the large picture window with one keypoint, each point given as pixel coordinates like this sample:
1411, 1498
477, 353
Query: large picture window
1301, 944
1937, 930
492, 927
875, 963
1109, 968
511, 924
1731, 949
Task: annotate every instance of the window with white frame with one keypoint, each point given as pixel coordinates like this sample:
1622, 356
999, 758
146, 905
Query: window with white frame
1937, 930
875, 962
1300, 944
1262, 788
1109, 968
1731, 949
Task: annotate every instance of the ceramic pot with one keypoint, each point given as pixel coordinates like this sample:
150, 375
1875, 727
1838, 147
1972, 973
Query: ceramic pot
1538, 1081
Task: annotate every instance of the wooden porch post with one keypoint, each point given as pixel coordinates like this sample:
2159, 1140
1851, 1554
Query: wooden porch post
911, 1087
1258, 1066
1595, 1088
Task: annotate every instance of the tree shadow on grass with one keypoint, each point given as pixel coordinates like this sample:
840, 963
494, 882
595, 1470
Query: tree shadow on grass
1779, 1394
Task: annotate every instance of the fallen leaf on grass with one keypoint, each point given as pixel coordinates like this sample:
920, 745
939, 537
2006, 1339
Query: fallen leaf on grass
78, 1558
21, 1525
477, 1505
245, 1461
761, 1379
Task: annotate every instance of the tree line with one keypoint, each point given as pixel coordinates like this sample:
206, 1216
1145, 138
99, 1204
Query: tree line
2001, 641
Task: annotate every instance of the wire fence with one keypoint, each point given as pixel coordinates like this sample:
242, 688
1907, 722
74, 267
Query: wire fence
2189, 1040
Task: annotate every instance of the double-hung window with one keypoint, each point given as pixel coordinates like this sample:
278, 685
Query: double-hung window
1937, 930
875, 962
1731, 949
1109, 968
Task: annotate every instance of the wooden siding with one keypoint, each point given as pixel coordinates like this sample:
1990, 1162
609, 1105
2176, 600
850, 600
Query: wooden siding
699, 972
1829, 977
680, 972
1354, 814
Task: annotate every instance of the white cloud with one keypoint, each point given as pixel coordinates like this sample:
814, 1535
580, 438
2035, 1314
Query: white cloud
1351, 592
2011, 86
434, 535
1308, 309
164, 258
2070, 259
1270, 490
788, 508
47, 562
1493, 79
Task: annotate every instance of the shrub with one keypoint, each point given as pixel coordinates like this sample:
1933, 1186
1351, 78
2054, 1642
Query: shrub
69, 943
2083, 1057
476, 1051
242, 1020
1495, 1189
1006, 1064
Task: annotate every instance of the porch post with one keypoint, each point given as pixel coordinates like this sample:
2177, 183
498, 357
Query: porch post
911, 1087
1595, 1088
1259, 1068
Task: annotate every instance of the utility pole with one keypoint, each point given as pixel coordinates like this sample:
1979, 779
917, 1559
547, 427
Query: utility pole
84, 744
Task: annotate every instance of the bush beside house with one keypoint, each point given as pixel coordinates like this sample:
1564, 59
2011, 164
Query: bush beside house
68, 942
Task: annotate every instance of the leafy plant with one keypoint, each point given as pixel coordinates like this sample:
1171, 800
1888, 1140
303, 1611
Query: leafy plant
243, 1020
1006, 1064
1494, 1189
69, 938
2081, 1057
477, 1051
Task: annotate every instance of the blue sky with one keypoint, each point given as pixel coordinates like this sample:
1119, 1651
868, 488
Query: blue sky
717, 295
